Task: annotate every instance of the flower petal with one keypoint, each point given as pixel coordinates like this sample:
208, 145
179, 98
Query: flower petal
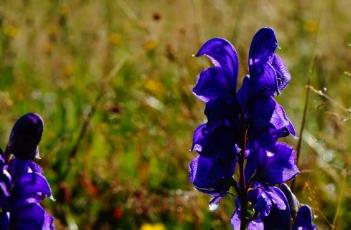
263, 80
304, 218
31, 185
224, 112
222, 54
265, 113
263, 46
283, 75
25, 136
260, 113
235, 220
208, 141
262, 202
243, 93
278, 219
4, 220
279, 120
291, 198
211, 85
31, 217
276, 166
212, 175
278, 198
255, 224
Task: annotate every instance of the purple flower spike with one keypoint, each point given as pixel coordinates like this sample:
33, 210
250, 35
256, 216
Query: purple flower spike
25, 136
242, 131
22, 183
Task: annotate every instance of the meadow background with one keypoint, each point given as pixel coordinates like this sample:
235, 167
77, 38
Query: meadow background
113, 80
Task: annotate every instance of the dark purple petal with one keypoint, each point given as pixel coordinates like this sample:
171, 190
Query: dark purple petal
243, 93
31, 217
304, 219
25, 136
235, 220
278, 219
265, 113
260, 113
4, 220
278, 198
279, 120
263, 46
261, 201
283, 75
219, 140
224, 112
31, 185
17, 167
263, 80
212, 175
255, 224
222, 54
211, 85
292, 200
276, 166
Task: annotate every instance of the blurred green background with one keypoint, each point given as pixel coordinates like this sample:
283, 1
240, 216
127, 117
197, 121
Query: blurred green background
113, 79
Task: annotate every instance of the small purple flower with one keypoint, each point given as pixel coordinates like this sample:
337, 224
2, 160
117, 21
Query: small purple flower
304, 219
26, 184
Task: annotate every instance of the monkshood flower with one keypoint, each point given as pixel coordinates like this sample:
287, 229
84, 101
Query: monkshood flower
27, 186
242, 131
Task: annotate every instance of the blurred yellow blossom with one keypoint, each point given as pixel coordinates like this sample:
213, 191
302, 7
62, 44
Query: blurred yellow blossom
311, 26
69, 70
150, 45
64, 9
115, 38
154, 86
157, 226
10, 30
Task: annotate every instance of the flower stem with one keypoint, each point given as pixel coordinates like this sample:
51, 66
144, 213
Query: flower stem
242, 182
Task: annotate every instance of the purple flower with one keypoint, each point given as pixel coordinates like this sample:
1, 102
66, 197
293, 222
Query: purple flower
26, 184
243, 128
269, 207
269, 74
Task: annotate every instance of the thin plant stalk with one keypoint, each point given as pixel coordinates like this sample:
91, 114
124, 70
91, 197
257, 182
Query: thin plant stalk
340, 197
242, 181
305, 109
84, 128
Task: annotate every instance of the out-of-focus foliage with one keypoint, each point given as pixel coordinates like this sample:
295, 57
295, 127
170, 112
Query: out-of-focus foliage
112, 80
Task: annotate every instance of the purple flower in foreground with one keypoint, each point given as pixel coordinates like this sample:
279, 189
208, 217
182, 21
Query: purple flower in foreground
242, 129
27, 186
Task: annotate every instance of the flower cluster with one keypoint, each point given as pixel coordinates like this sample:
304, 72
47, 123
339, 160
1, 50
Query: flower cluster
22, 183
241, 133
